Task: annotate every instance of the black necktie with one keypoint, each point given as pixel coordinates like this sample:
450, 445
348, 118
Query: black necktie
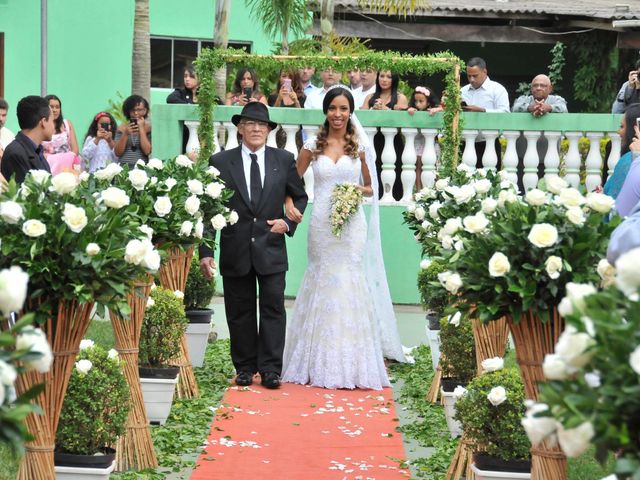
43, 161
256, 182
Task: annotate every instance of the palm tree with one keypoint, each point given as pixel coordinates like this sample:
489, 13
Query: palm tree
141, 58
281, 17
221, 40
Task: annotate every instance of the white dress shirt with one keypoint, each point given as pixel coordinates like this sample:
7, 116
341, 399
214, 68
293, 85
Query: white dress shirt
315, 98
6, 137
359, 95
246, 164
491, 96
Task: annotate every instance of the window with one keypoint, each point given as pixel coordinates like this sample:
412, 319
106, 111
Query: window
170, 55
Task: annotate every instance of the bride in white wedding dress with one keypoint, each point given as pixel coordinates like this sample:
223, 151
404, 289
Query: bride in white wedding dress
334, 338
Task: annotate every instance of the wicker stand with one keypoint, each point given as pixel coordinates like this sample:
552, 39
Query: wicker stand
462, 460
173, 276
134, 450
434, 389
64, 333
533, 340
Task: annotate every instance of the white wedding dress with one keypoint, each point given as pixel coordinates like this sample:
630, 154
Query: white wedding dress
333, 339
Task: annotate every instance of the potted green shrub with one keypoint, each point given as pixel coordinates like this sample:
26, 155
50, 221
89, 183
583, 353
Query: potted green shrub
162, 330
490, 412
434, 299
197, 296
458, 363
93, 416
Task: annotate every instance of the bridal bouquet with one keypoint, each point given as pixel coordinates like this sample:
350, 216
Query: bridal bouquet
346, 198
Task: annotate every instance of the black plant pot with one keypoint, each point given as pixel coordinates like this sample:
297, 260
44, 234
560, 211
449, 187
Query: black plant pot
158, 372
449, 384
199, 315
495, 464
434, 321
84, 461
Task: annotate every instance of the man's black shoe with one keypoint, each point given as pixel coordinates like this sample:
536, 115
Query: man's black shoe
244, 379
270, 380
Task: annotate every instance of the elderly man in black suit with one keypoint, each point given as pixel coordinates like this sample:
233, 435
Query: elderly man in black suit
25, 152
253, 250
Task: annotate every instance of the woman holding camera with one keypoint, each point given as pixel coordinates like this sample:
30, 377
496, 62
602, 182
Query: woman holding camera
133, 139
289, 91
97, 150
246, 88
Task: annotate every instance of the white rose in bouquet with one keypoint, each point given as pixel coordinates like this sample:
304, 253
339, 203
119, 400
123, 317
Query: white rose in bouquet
13, 289
178, 294
433, 210
497, 395
600, 202
543, 235
233, 218
108, 172
447, 242
482, 186
426, 225
92, 249
575, 441
575, 293
74, 217
634, 360
184, 161
573, 347
452, 225
489, 206
475, 223
450, 281
8, 374
162, 206
114, 197
570, 197
150, 302
138, 179
499, 265
83, 366
195, 187
593, 379
628, 273
492, 364
411, 208
607, 273
112, 354
553, 266
199, 229
213, 171
419, 213
463, 167
218, 222
86, 343
459, 245
554, 367
455, 319
147, 230
84, 176
506, 196
151, 260
481, 172
214, 189
442, 184
11, 212
34, 340
140, 163
63, 183
459, 392
135, 251
192, 205
538, 428
555, 184
186, 228
155, 164
39, 176
576, 216
170, 182
462, 194
536, 197
34, 228
425, 263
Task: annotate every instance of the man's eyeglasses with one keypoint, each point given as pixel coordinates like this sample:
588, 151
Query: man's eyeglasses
254, 124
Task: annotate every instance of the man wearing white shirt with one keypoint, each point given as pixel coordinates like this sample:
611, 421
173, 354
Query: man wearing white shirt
482, 94
367, 87
6, 135
329, 78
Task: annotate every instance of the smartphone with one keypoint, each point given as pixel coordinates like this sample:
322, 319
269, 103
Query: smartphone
105, 126
247, 91
286, 83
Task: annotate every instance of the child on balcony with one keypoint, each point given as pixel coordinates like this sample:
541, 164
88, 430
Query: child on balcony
422, 100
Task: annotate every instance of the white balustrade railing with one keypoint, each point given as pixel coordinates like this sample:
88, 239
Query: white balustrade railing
524, 169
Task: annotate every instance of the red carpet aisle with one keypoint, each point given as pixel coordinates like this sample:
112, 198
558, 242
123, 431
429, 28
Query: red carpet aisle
303, 433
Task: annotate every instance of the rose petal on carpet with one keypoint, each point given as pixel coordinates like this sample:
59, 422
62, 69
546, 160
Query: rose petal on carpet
303, 432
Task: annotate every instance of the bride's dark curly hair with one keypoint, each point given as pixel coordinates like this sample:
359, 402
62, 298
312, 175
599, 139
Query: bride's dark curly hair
350, 136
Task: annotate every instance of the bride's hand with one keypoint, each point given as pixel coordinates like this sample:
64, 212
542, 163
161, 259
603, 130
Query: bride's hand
293, 213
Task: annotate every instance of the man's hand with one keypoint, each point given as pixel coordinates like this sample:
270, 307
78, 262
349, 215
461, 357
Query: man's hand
208, 267
278, 226
472, 108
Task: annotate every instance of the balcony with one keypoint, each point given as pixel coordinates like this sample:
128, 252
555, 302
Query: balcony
574, 151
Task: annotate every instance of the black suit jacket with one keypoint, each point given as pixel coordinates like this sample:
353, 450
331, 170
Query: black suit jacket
19, 157
250, 243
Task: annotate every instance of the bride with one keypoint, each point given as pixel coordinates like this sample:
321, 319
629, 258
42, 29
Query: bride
342, 324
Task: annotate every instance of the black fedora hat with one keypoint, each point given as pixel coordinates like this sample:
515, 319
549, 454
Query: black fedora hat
254, 111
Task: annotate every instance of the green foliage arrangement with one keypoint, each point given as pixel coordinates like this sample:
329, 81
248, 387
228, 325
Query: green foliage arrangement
199, 289
210, 60
433, 297
496, 429
162, 329
593, 393
458, 349
96, 405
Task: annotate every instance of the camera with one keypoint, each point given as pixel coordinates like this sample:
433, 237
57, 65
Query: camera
105, 126
247, 92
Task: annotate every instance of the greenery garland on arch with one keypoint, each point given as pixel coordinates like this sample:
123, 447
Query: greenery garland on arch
210, 60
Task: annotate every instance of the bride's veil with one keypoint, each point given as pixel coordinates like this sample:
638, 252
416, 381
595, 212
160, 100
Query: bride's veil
374, 263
